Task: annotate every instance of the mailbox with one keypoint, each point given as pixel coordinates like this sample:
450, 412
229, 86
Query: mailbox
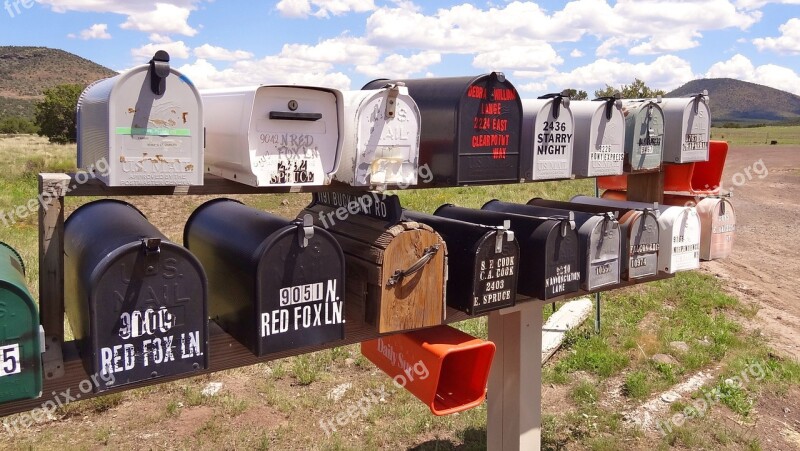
687, 128
548, 265
679, 232
599, 147
274, 284
21, 341
274, 135
717, 222
142, 127
381, 138
639, 231
471, 128
599, 236
396, 269
136, 301
483, 263
548, 130
644, 134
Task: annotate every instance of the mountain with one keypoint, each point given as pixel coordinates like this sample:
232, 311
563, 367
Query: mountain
25, 72
743, 102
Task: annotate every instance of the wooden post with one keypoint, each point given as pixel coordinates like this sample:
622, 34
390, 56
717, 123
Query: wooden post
647, 187
52, 188
515, 383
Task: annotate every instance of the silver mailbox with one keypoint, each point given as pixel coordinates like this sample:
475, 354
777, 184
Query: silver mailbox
687, 128
381, 138
599, 147
142, 127
274, 135
548, 129
644, 134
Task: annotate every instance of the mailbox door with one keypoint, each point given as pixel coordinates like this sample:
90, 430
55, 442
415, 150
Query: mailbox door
148, 314
603, 259
548, 129
717, 240
599, 138
296, 134
301, 291
683, 239
687, 129
642, 233
562, 273
644, 136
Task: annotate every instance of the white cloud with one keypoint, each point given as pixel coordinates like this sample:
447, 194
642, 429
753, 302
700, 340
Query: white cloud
787, 42
576, 53
176, 49
96, 31
339, 50
324, 8
398, 66
159, 38
168, 17
666, 43
269, 70
755, 4
211, 52
665, 72
741, 68
537, 56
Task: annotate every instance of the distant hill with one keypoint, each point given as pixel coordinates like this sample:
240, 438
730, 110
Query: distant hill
25, 72
743, 102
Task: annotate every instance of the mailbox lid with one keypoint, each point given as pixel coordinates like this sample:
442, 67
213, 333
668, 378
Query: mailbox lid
599, 147
687, 128
20, 342
681, 238
718, 223
548, 129
644, 135
381, 138
471, 127
642, 232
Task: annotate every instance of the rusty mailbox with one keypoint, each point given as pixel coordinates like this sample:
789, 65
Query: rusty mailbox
644, 134
274, 135
679, 232
135, 300
548, 130
274, 284
639, 231
598, 234
142, 127
687, 128
21, 337
470, 128
549, 249
717, 220
381, 138
396, 270
483, 263
599, 147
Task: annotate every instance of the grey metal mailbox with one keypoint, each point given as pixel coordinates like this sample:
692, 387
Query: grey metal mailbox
687, 128
599, 147
548, 133
644, 134
142, 127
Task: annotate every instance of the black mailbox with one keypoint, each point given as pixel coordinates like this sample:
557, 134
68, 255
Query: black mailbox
274, 284
471, 127
639, 229
599, 236
483, 263
135, 300
548, 263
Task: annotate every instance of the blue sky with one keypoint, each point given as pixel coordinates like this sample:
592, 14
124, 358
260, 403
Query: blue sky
542, 46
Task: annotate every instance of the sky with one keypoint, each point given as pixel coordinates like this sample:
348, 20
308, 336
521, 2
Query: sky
542, 47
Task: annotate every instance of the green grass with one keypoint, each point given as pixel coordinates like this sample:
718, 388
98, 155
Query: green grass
784, 135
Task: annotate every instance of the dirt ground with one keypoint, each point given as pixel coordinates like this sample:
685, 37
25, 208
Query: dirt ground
764, 268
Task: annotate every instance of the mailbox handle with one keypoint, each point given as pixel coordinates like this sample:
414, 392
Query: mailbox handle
289, 116
427, 256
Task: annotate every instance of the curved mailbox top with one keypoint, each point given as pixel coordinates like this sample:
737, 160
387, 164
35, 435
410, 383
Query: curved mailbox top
548, 130
599, 147
687, 128
471, 127
644, 134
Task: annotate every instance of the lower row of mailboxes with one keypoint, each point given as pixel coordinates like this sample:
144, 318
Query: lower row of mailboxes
139, 304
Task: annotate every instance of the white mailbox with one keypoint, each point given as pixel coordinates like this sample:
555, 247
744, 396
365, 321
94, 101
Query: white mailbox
381, 138
143, 127
599, 147
547, 136
273, 135
687, 128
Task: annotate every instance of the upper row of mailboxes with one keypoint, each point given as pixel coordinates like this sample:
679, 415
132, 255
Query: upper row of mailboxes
151, 126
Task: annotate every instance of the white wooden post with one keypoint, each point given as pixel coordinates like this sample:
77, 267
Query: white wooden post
515, 382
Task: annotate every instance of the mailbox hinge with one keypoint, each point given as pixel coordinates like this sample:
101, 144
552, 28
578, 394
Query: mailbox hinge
305, 230
393, 90
52, 358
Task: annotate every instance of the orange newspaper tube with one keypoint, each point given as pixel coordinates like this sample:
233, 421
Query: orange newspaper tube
442, 366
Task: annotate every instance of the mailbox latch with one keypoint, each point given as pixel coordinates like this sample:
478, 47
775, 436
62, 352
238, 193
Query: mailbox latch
393, 90
152, 250
503, 231
305, 231
159, 70
567, 223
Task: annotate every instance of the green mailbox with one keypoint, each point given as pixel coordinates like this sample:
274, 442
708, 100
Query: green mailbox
20, 339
